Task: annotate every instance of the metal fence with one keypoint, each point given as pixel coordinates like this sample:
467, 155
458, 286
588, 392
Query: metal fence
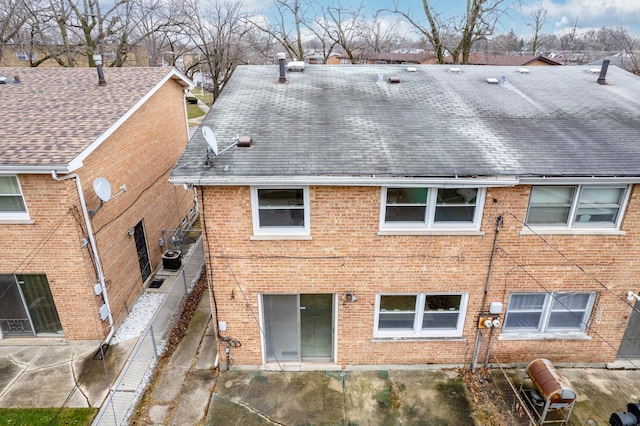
128, 388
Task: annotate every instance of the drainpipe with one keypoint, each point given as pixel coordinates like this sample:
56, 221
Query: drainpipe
94, 248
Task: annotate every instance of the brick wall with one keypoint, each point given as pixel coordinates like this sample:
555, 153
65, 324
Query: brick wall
346, 255
140, 155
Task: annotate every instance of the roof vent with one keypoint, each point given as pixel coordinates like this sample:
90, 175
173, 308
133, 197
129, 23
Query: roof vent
492, 80
523, 70
244, 141
602, 79
412, 69
394, 79
455, 70
593, 70
4, 80
16, 79
295, 66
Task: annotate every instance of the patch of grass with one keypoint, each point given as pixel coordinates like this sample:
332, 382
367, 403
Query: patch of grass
193, 111
205, 96
47, 416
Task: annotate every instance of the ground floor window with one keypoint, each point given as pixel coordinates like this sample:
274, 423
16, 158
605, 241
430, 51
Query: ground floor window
548, 312
27, 307
420, 314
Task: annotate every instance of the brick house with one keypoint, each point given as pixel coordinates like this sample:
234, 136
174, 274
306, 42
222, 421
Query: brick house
71, 263
445, 216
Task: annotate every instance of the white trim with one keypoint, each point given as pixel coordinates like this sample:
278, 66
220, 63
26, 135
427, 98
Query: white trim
546, 230
280, 232
429, 224
579, 227
418, 332
455, 232
22, 216
173, 74
334, 332
585, 180
373, 180
542, 331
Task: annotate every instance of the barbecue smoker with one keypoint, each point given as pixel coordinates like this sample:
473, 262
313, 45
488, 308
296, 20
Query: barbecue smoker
547, 393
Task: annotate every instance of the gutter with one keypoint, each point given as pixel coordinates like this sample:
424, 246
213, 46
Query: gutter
94, 248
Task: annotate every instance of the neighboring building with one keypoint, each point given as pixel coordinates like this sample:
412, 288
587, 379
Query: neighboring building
382, 221
382, 58
24, 55
511, 60
71, 265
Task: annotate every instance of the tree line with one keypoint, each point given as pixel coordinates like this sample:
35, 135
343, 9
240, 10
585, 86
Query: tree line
219, 35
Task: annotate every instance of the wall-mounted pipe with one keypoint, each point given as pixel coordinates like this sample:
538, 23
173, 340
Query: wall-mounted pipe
94, 247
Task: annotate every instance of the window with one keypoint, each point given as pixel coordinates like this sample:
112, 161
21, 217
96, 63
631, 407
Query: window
12, 205
109, 55
548, 312
24, 56
420, 315
576, 206
431, 208
283, 211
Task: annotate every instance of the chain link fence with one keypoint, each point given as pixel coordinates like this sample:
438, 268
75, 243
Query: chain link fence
125, 393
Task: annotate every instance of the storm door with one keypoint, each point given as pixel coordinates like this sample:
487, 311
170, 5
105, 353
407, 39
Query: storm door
298, 327
143, 253
27, 307
14, 318
630, 346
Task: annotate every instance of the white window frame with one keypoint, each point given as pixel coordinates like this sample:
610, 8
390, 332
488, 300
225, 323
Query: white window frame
15, 216
546, 311
280, 230
23, 55
419, 311
429, 224
574, 225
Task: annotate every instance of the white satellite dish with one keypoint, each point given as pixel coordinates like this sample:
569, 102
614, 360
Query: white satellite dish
210, 137
102, 188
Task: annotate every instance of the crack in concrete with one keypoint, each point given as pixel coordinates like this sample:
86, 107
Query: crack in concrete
75, 380
26, 367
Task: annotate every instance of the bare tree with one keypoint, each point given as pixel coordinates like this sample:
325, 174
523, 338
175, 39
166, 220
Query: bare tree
538, 20
13, 15
629, 47
288, 29
377, 34
215, 31
339, 24
457, 34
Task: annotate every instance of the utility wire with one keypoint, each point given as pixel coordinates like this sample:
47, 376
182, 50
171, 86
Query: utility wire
552, 294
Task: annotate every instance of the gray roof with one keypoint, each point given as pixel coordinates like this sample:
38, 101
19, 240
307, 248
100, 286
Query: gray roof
341, 121
56, 116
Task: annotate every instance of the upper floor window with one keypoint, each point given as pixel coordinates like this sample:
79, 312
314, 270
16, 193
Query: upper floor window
280, 211
12, 205
548, 312
420, 315
577, 206
431, 208
109, 55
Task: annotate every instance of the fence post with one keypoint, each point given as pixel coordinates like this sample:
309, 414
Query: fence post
153, 342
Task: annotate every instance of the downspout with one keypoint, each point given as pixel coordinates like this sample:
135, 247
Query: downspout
94, 247
476, 350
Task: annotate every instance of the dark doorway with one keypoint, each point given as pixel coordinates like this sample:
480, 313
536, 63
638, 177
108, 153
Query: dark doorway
143, 253
630, 346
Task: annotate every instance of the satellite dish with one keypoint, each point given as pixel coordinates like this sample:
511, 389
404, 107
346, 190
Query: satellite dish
210, 137
102, 188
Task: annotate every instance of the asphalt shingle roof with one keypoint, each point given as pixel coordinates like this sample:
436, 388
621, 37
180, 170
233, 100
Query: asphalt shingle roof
54, 114
342, 121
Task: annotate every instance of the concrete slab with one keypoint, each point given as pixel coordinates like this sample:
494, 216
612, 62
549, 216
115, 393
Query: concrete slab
195, 395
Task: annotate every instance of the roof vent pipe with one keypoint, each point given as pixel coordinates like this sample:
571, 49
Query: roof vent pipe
281, 57
603, 72
98, 60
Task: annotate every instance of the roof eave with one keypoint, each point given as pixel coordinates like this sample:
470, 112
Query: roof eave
35, 170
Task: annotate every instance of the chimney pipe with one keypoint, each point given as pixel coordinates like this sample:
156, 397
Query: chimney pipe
603, 72
98, 60
281, 57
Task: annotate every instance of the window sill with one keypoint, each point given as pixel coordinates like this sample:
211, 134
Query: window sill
572, 231
417, 339
17, 222
280, 237
471, 232
543, 336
